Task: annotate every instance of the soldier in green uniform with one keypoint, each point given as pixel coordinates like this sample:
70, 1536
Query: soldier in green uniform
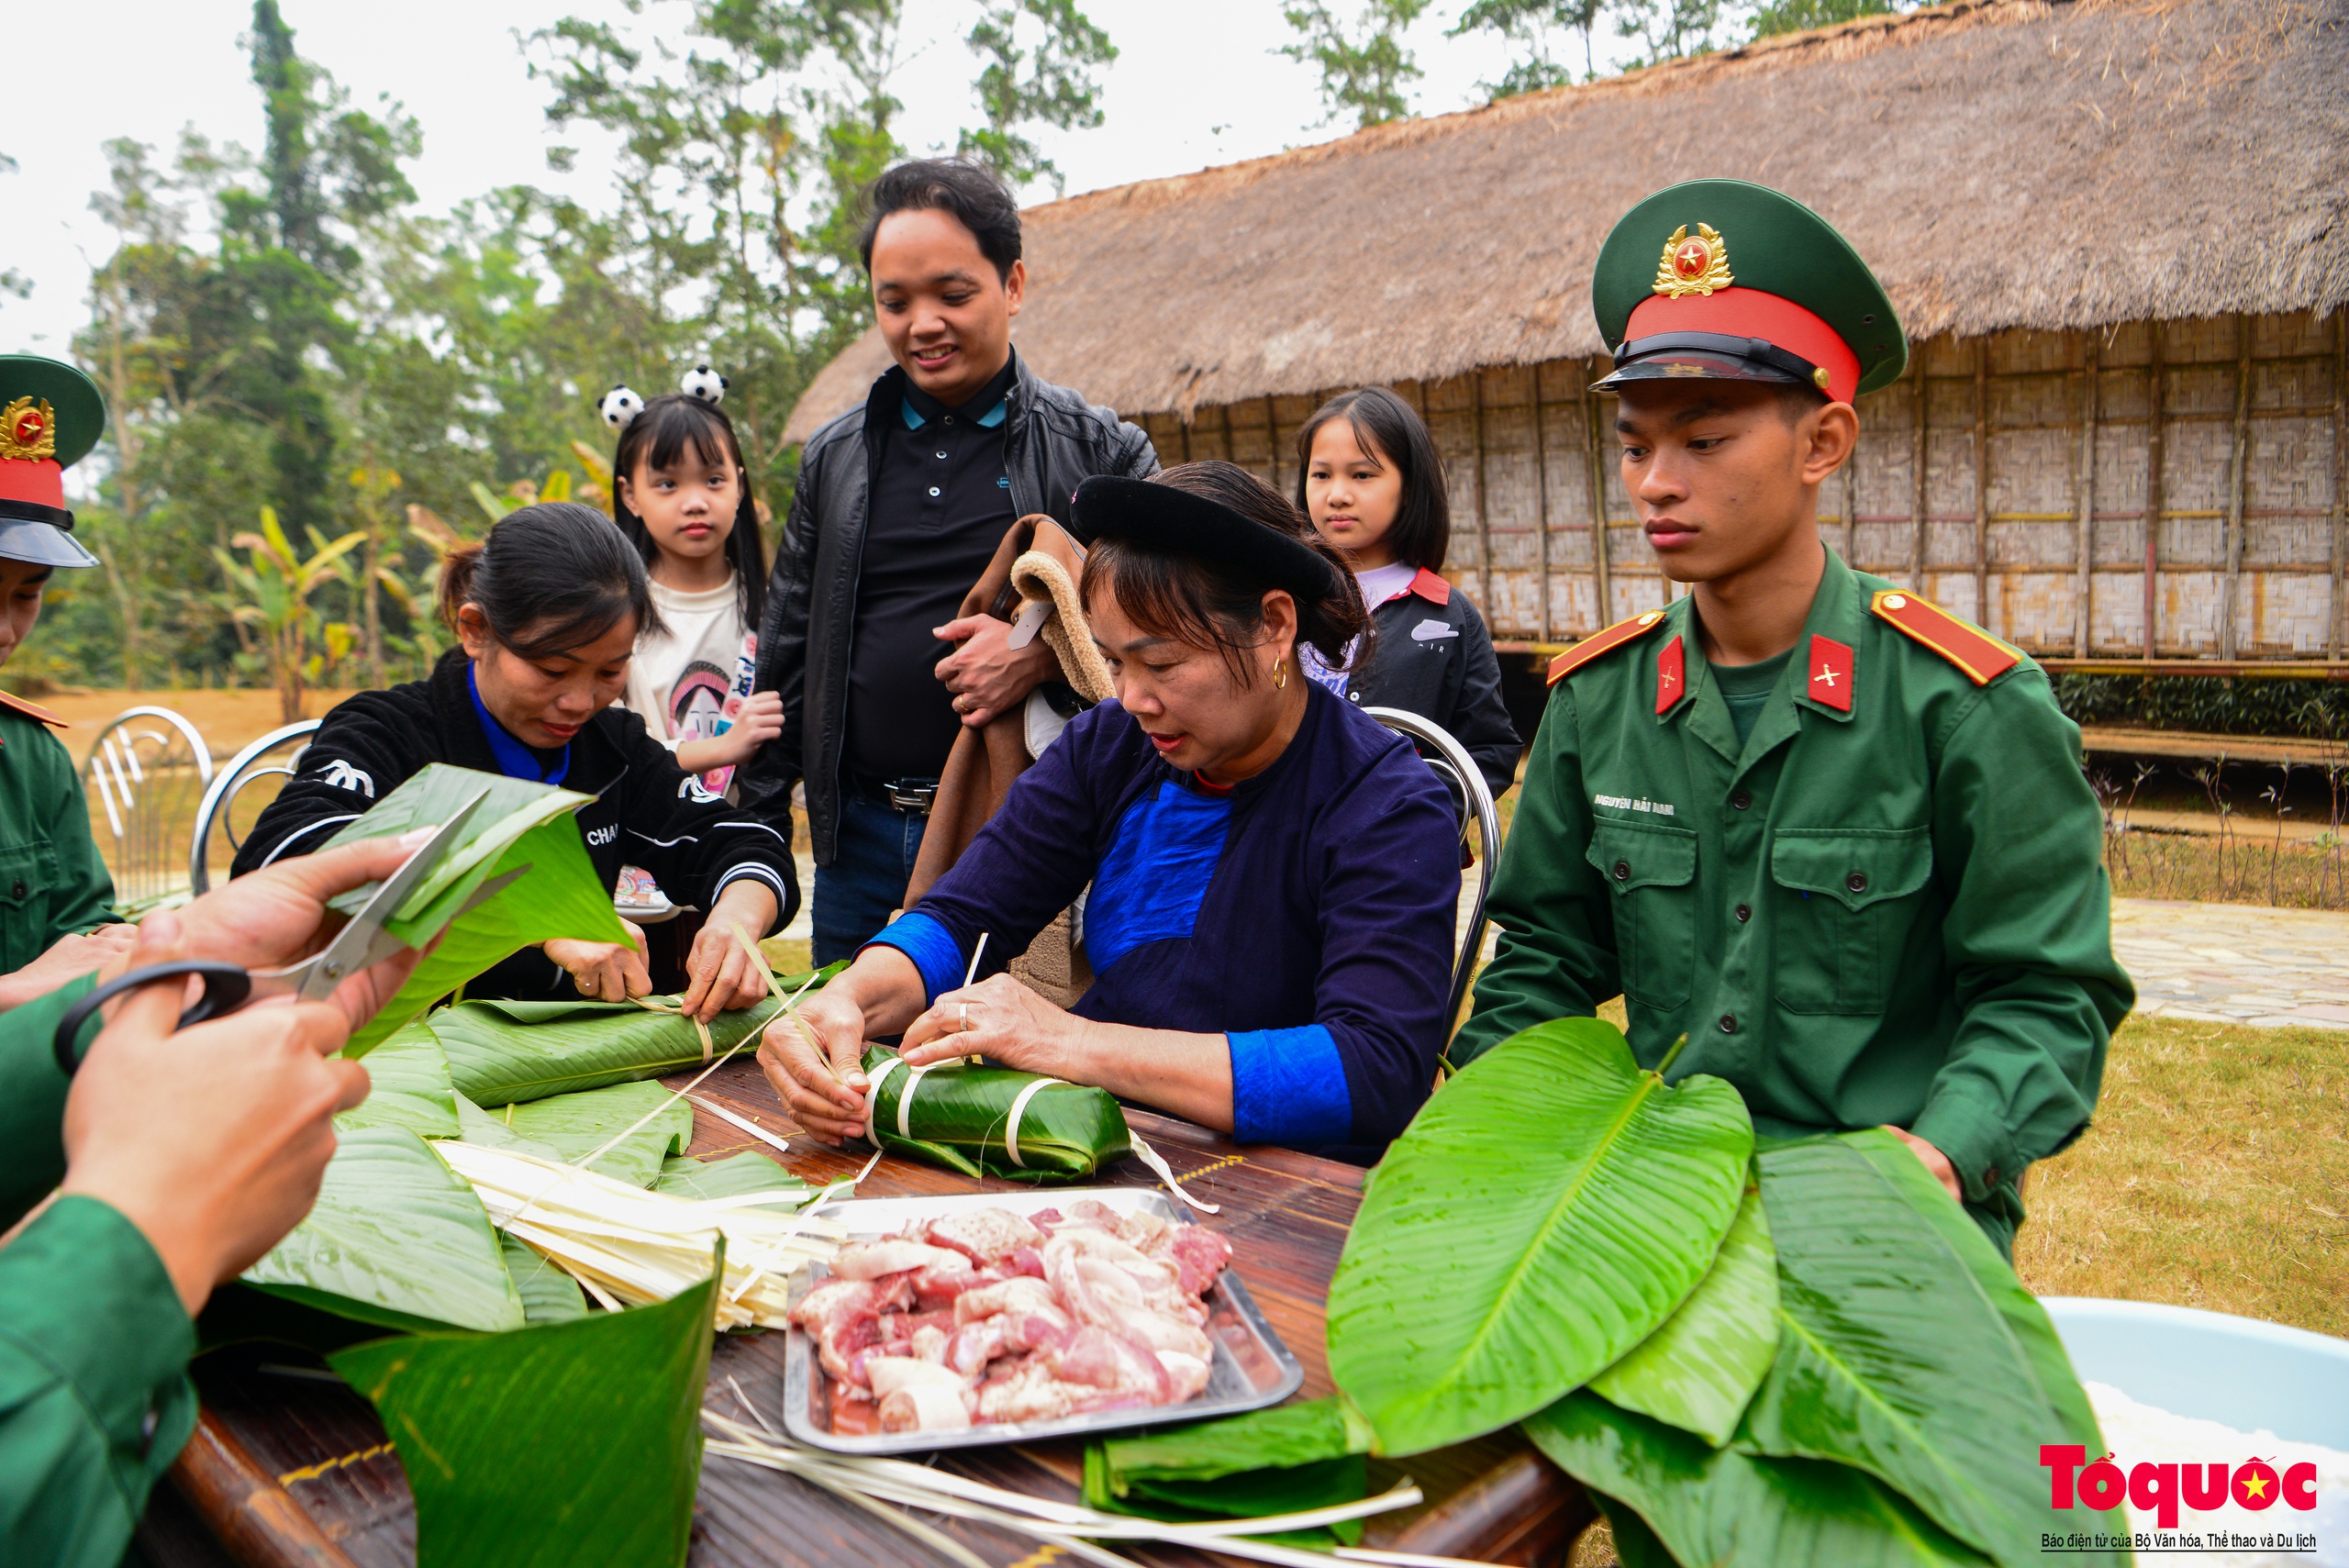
54, 889
1836, 835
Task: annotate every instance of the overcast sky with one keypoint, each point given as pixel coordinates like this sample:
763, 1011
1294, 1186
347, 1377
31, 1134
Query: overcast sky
1196, 83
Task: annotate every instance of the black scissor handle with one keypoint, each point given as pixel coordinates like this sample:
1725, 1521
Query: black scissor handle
226, 987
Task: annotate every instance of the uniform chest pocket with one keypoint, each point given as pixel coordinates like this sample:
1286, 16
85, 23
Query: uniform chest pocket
28, 874
1652, 871
1845, 899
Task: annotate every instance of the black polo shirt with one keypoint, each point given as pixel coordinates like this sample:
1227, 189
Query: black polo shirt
940, 505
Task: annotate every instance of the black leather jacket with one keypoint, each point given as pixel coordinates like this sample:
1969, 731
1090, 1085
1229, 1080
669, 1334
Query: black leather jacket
1054, 442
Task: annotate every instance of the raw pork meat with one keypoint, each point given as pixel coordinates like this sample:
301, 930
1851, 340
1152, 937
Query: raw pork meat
987, 1316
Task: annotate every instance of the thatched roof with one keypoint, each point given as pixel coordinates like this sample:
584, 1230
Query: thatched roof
1999, 162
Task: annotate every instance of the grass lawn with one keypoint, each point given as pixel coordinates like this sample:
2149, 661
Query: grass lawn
2215, 1175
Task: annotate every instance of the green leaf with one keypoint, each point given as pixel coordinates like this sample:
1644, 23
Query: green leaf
549, 1294
1270, 1461
575, 1126
574, 1442
522, 824
408, 1087
1891, 1358
736, 1176
1699, 1371
2025, 1318
489, 1130
395, 1237
1728, 1509
961, 1115
502, 1053
1542, 1216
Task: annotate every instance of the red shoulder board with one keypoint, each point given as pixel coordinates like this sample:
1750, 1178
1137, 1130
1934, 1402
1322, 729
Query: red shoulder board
1606, 641
1983, 657
41, 715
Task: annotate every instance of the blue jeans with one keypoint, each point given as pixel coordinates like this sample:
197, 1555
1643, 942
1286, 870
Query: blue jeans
874, 860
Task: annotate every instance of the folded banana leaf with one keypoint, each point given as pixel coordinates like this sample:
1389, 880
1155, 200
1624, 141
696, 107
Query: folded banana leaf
503, 1052
522, 827
549, 1294
960, 1117
1273, 1461
407, 1086
553, 1445
575, 1126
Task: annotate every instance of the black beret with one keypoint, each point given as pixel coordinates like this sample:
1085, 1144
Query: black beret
1158, 516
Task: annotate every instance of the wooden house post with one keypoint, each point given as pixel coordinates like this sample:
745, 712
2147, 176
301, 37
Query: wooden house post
2158, 396
1982, 482
1485, 579
1918, 527
1542, 503
1601, 587
2340, 475
2084, 492
2239, 453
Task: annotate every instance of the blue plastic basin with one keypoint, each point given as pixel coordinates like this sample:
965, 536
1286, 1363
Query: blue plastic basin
2250, 1376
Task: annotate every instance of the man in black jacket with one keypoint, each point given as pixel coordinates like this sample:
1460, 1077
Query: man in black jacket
901, 505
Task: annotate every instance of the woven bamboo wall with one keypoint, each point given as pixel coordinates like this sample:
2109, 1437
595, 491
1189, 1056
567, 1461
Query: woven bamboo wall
2248, 449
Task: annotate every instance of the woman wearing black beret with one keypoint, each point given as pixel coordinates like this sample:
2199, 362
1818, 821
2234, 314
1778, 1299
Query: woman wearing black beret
1273, 875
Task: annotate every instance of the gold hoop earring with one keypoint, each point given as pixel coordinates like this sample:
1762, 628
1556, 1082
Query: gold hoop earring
1280, 675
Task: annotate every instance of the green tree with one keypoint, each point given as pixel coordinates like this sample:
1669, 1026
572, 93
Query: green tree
1801, 15
1366, 69
1668, 29
1053, 81
1529, 25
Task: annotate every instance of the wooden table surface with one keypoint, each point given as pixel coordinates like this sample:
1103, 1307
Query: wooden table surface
291, 1467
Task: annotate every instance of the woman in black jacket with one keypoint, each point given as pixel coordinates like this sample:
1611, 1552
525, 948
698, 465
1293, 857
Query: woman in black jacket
1368, 476
548, 609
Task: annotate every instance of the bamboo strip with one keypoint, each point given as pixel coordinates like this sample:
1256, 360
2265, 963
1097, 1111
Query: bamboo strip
2238, 481
2155, 395
1982, 482
1602, 588
2084, 491
1924, 451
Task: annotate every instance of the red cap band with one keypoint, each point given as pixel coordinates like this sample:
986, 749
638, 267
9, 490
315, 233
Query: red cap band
37, 480
1750, 313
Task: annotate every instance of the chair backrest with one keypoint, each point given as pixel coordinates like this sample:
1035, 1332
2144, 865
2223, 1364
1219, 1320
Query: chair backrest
220, 800
147, 770
1451, 761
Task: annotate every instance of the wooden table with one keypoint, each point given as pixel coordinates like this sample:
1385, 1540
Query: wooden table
291, 1467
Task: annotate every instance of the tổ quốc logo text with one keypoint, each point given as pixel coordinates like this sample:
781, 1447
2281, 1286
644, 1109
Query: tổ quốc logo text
2165, 1493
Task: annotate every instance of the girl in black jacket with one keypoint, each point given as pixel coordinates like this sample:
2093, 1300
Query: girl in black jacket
548, 609
1369, 477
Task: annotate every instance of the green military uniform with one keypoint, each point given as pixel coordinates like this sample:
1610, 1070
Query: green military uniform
1885, 905
94, 1398
53, 883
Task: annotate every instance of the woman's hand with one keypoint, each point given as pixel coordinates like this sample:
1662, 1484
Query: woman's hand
213, 1140
815, 1060
604, 971
1000, 1018
721, 975
759, 721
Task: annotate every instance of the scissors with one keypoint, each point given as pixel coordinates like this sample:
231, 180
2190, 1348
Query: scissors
361, 942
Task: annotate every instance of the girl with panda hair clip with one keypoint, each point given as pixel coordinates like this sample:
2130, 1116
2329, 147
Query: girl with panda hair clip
682, 494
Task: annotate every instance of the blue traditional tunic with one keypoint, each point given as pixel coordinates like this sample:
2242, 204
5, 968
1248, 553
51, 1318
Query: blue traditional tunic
1307, 914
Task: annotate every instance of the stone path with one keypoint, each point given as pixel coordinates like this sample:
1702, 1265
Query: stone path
2235, 964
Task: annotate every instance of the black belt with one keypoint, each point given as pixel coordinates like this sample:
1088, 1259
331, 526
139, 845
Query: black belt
912, 797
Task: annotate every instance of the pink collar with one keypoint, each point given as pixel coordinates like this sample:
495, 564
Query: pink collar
1430, 587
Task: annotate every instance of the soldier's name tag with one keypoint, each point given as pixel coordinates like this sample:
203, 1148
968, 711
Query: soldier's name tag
1625, 802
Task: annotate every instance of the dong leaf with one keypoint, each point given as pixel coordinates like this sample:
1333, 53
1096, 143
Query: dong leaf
503, 1053
1542, 1215
568, 1443
1727, 1509
736, 1176
1699, 1371
396, 1238
1892, 1358
408, 1087
575, 1126
549, 1294
520, 825
1283, 1461
490, 1129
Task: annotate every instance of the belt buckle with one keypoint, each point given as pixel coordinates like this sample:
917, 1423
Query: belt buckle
913, 799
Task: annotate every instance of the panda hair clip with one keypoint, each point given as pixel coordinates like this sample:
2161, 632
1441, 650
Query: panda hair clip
619, 405
705, 384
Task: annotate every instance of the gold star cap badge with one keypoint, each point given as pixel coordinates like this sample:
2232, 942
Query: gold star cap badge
1693, 263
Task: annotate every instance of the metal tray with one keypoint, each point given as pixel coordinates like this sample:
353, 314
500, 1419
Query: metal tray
1251, 1368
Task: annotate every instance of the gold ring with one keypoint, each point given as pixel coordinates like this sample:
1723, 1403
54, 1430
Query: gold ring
962, 1018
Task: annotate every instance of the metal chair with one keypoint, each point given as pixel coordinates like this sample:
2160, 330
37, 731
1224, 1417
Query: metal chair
146, 770
1453, 763
221, 797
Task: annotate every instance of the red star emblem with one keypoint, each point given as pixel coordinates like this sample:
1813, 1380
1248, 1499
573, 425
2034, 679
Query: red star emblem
28, 427
1693, 257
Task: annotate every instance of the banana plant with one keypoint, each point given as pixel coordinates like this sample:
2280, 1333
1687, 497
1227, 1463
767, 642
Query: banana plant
278, 583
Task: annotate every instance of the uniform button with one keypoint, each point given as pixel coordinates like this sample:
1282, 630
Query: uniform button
1622, 874
933, 491
1729, 1023
1857, 881
18, 891
1740, 800
1355, 695
941, 457
1744, 913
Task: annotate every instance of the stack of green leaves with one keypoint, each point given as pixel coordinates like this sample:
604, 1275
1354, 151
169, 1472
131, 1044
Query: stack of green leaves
522, 827
1806, 1354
